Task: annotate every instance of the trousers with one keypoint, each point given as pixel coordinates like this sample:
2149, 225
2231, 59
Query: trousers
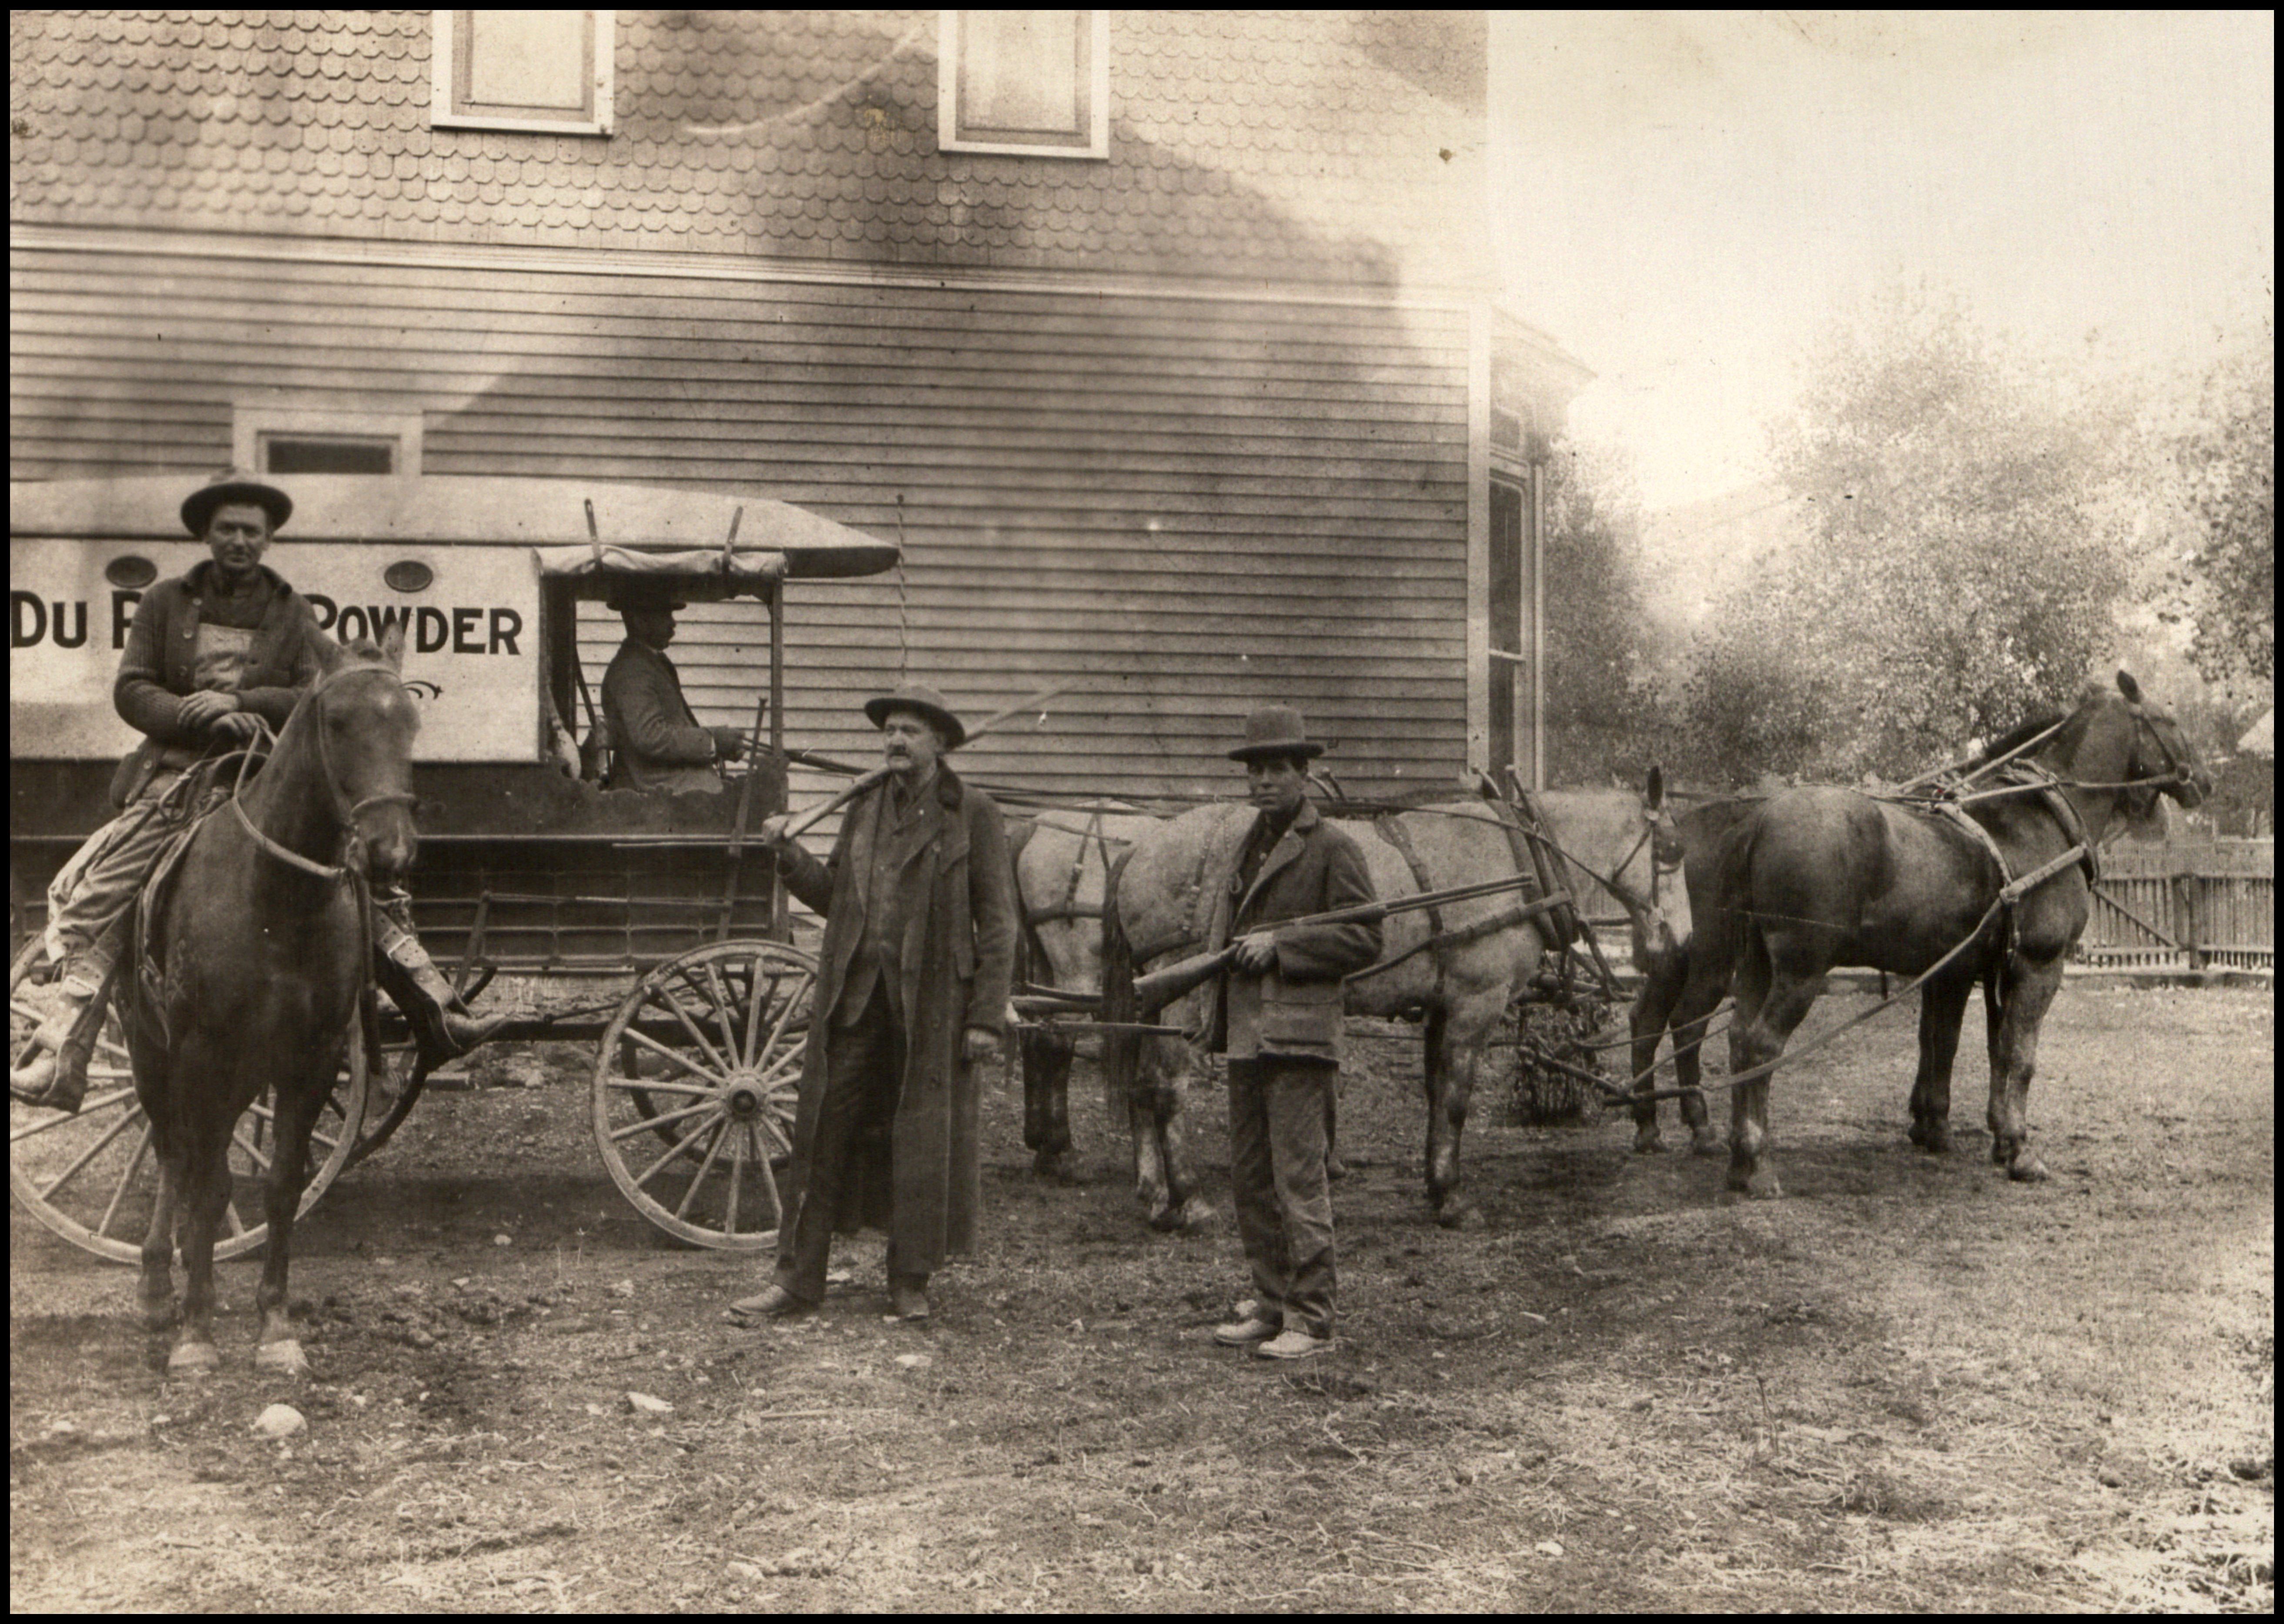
1280, 1118
91, 891
863, 1071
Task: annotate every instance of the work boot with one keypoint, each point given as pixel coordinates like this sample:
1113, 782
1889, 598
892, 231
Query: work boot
773, 1302
1245, 1332
442, 1024
908, 1297
55, 1074
1294, 1344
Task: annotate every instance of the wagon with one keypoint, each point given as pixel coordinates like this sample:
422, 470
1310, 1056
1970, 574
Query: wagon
646, 924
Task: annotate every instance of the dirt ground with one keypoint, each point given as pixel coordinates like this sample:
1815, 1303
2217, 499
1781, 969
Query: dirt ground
1907, 1385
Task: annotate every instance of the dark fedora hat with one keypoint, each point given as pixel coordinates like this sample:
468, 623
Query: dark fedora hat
198, 507
1276, 730
925, 701
639, 592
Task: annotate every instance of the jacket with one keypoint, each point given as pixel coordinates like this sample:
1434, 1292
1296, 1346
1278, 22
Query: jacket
1293, 1011
924, 1182
157, 670
656, 744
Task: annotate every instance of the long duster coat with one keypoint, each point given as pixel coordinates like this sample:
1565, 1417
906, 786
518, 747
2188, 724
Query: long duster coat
924, 1182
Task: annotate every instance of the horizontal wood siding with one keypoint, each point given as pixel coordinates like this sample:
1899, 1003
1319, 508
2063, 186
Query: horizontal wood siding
1182, 507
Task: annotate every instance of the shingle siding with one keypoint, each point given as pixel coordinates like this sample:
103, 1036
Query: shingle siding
1325, 147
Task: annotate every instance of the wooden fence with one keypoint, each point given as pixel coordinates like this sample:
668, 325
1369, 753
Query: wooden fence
2216, 901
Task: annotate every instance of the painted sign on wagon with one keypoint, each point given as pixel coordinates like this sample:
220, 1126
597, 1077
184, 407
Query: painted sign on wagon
470, 616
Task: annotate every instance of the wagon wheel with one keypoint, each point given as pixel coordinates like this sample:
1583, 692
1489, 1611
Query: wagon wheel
91, 1177
706, 1053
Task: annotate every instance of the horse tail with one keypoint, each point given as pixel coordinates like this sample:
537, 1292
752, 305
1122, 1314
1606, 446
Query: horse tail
1731, 932
1031, 960
1122, 1051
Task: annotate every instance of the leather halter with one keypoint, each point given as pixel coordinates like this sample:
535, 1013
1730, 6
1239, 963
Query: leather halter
345, 812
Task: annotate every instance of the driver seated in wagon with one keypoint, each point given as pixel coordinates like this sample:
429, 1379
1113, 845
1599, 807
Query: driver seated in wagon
210, 660
656, 742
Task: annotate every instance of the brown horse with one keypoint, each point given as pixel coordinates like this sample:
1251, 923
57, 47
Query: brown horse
1458, 968
259, 949
1687, 846
1818, 878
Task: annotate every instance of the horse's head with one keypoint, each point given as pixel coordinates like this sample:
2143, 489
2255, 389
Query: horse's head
2162, 756
365, 721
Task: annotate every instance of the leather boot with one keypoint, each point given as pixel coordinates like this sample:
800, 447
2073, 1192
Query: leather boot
55, 1074
442, 1024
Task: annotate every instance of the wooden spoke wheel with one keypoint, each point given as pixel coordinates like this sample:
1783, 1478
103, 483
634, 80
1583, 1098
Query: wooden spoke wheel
92, 1177
696, 1080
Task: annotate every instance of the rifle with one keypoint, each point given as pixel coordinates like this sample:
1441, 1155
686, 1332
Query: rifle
1160, 987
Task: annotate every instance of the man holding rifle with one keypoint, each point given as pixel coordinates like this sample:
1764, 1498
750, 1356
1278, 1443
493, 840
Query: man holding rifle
912, 998
1276, 1012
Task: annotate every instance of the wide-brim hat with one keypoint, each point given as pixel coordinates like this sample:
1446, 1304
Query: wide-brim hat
927, 702
198, 507
1276, 730
638, 592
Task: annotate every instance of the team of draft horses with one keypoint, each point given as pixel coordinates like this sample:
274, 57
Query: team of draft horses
233, 944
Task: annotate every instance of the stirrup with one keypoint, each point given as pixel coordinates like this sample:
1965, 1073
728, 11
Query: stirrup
63, 1086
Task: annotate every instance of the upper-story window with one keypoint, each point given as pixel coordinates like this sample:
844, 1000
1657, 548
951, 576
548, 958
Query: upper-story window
523, 70
1033, 82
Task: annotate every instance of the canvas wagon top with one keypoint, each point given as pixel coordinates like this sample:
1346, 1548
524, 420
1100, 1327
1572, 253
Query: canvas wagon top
552, 515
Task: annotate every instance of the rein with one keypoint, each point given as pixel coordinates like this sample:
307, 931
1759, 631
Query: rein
345, 812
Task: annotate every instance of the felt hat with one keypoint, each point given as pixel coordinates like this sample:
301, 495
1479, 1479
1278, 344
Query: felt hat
640, 593
925, 700
1276, 730
198, 507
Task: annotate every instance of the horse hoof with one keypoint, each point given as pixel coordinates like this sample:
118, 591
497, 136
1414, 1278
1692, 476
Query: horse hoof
193, 1358
161, 1315
1761, 1186
1463, 1217
1708, 1144
1196, 1213
283, 1357
1649, 1141
2026, 1168
1335, 1170
1060, 1166
1933, 1137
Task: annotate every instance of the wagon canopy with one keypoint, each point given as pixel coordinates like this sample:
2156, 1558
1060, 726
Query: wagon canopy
638, 528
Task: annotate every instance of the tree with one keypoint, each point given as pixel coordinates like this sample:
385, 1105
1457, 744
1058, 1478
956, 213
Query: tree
1596, 628
1962, 567
2226, 586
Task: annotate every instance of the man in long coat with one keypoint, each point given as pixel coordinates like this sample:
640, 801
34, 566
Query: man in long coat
1277, 1014
912, 998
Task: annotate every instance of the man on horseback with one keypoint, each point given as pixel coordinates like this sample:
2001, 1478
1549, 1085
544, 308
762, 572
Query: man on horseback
656, 744
212, 660
1277, 1015
912, 998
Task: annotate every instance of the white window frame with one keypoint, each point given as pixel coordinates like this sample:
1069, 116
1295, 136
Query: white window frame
251, 422
442, 114
947, 113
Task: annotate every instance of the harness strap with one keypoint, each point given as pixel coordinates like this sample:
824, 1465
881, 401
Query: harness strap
291, 858
1392, 832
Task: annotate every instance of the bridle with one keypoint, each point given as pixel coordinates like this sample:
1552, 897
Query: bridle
346, 812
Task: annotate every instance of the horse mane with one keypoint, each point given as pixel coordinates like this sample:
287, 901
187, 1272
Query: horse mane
2015, 738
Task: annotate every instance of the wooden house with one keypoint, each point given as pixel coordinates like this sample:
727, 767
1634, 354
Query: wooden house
1164, 343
